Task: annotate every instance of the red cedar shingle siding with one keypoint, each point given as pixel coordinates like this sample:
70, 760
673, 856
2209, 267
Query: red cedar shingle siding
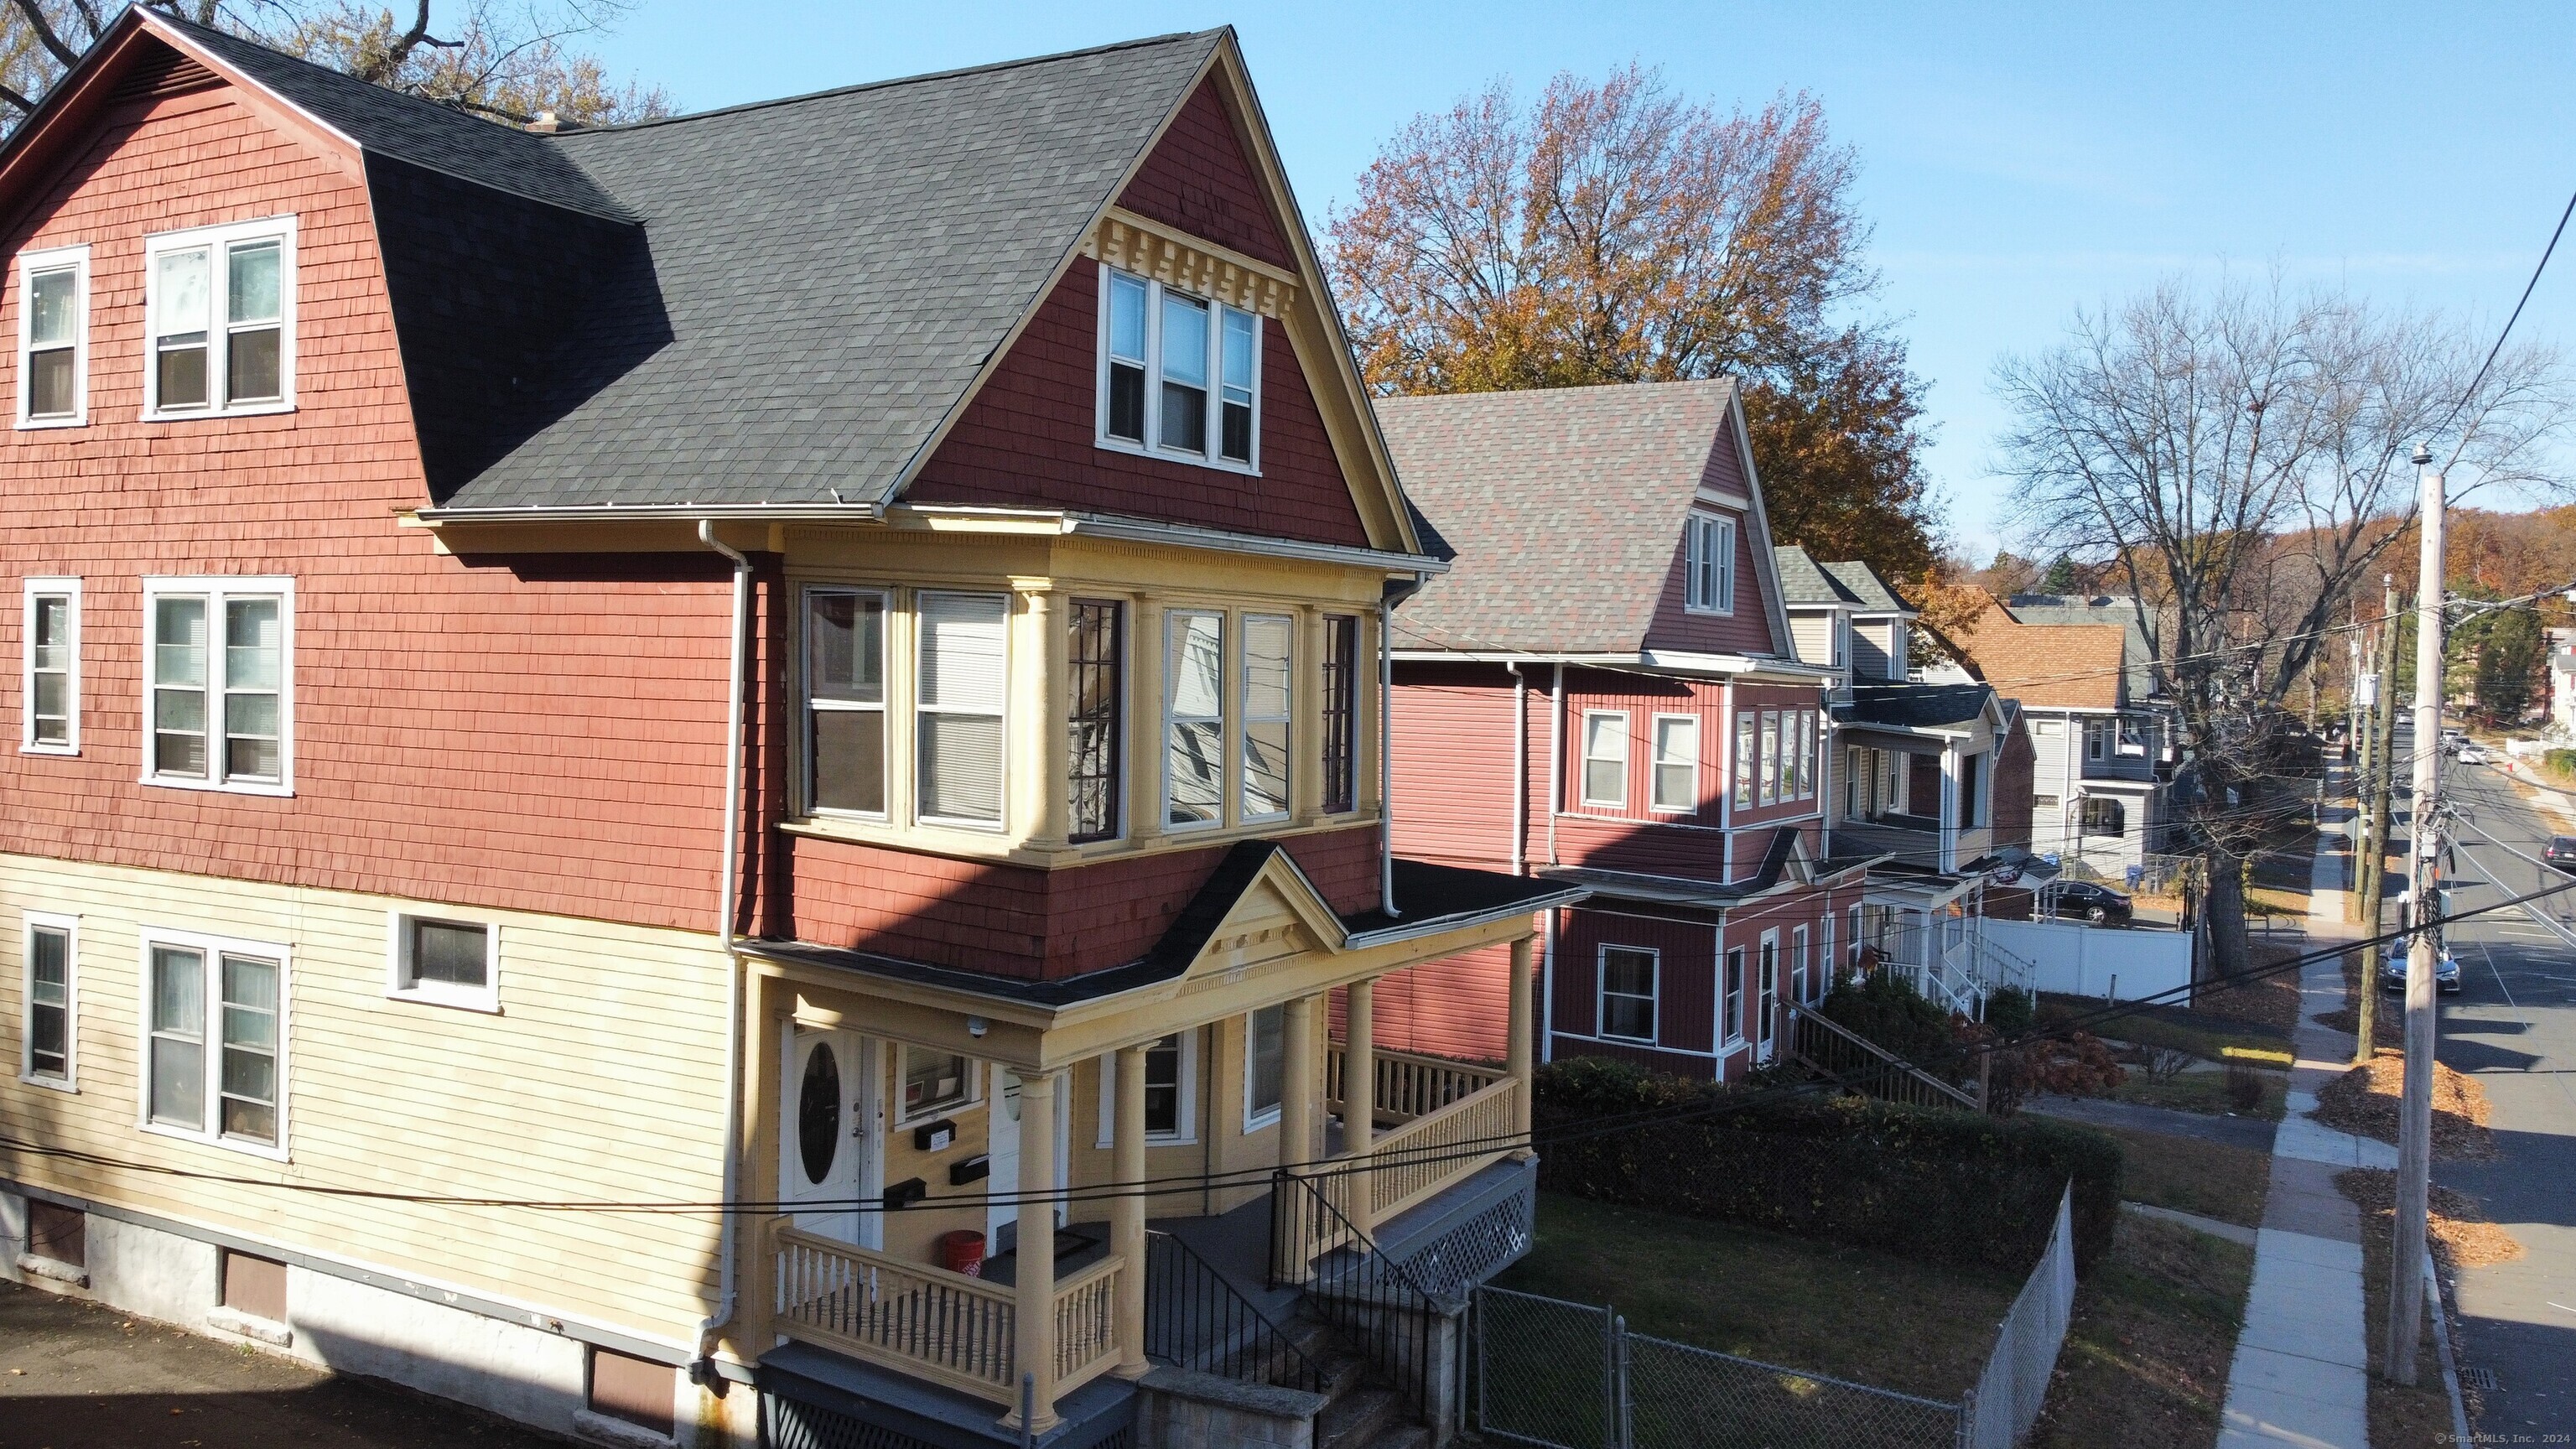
1199, 180
1748, 629
1029, 440
1009, 920
541, 735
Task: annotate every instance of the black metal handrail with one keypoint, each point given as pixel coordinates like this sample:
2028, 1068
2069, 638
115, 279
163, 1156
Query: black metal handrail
1379, 1309
1195, 1319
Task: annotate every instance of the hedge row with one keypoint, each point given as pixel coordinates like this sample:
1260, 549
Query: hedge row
1958, 1186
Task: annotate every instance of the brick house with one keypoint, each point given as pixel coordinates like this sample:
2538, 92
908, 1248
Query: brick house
805, 668
1603, 691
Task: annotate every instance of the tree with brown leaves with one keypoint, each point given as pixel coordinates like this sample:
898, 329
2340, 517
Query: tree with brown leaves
1617, 233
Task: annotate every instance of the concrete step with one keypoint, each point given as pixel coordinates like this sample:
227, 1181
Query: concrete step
1402, 1436
1356, 1419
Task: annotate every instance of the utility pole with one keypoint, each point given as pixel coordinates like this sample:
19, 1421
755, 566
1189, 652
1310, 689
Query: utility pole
2415, 1109
2370, 868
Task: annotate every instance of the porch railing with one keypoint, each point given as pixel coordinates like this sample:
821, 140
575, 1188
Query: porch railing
938, 1325
1826, 1046
1408, 1085
1410, 1164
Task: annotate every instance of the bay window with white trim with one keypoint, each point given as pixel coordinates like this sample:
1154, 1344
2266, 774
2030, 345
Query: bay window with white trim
1269, 656
53, 338
1194, 697
218, 684
1180, 375
845, 701
1676, 762
219, 320
963, 681
214, 1041
49, 689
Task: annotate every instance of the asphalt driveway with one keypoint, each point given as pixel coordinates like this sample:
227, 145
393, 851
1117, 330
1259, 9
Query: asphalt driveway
74, 1375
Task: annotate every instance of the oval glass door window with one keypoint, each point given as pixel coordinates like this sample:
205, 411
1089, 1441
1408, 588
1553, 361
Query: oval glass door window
818, 1113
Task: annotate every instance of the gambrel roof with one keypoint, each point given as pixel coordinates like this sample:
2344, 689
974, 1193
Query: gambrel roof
774, 306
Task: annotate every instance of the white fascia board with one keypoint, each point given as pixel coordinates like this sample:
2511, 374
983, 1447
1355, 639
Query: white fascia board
1665, 661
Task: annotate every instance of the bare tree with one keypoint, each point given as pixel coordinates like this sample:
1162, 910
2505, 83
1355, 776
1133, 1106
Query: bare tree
508, 59
2238, 454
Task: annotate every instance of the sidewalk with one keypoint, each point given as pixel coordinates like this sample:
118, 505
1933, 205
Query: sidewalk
2301, 1374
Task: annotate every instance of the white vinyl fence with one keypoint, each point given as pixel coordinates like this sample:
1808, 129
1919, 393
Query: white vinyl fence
2124, 963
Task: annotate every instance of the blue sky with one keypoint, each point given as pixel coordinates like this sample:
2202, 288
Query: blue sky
2017, 161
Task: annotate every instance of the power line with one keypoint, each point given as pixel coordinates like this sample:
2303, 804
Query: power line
2493, 352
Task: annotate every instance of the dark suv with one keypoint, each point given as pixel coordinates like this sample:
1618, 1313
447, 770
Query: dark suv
2561, 852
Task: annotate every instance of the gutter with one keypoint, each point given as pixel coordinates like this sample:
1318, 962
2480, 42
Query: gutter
727, 885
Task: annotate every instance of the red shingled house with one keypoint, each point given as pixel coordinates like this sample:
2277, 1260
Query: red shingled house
1604, 690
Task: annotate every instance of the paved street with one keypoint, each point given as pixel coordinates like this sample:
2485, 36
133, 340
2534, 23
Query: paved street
78, 1376
2513, 1026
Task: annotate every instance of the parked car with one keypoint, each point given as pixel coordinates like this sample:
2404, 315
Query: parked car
2086, 901
2561, 852
2453, 739
2475, 754
2446, 971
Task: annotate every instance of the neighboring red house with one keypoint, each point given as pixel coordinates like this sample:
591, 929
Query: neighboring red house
807, 667
1604, 690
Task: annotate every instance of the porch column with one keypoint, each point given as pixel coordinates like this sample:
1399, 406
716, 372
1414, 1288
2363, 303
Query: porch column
1127, 1210
1359, 1095
1516, 1056
1299, 1090
1033, 1315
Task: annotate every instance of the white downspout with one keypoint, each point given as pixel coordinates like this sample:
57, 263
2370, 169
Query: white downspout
726, 892
1520, 769
1388, 598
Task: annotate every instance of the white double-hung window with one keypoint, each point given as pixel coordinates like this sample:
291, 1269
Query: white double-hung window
1708, 564
218, 684
53, 338
1193, 718
219, 309
49, 694
1268, 657
1180, 375
214, 1043
964, 679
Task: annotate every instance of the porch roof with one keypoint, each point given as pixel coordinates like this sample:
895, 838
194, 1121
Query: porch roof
1429, 898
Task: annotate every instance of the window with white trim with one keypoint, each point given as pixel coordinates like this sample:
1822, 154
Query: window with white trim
1806, 754
958, 731
1605, 758
1265, 1065
1180, 375
51, 1028
1747, 748
214, 1046
1676, 762
845, 701
1171, 1096
1193, 718
1767, 989
445, 962
2097, 739
935, 1081
1708, 564
53, 338
1628, 993
219, 308
1269, 655
1731, 1007
218, 704
1770, 757
1800, 985
49, 691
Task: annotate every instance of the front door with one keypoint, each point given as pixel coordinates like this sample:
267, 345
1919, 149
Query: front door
828, 1142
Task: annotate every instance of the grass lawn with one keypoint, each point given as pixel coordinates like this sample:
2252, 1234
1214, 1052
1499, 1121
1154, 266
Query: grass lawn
2204, 1092
2146, 1356
2213, 1038
1883, 1319
2188, 1175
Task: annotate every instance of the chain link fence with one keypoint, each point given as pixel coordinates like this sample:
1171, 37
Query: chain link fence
1569, 1376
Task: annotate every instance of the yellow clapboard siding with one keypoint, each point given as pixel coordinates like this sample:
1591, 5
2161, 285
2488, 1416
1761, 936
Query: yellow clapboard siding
600, 1079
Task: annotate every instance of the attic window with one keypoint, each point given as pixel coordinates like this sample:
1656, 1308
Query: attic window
1708, 564
222, 306
1180, 375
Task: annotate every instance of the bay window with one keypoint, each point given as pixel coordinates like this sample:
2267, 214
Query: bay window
1268, 655
219, 306
1676, 762
1095, 653
1194, 718
958, 709
1746, 752
1770, 757
218, 696
1180, 375
845, 701
1341, 710
53, 337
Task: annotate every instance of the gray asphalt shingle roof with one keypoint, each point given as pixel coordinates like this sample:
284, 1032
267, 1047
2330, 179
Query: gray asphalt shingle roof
1914, 706
1511, 481
1866, 587
1804, 581
822, 277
